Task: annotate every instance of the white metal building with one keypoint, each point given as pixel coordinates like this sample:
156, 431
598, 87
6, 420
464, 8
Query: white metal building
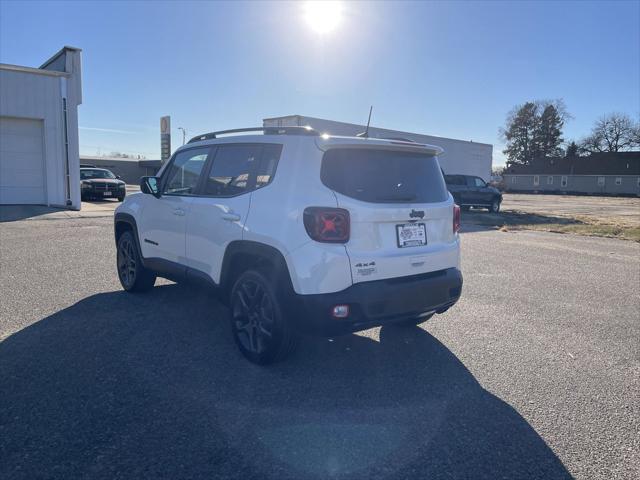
39, 158
459, 157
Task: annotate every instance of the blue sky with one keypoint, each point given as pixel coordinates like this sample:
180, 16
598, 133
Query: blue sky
450, 69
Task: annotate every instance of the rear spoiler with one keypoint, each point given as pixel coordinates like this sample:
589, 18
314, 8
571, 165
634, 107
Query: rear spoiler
325, 142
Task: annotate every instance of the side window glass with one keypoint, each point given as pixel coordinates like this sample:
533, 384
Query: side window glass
471, 182
480, 182
182, 178
268, 164
232, 170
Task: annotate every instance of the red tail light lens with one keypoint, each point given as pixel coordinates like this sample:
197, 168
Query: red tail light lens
327, 225
456, 218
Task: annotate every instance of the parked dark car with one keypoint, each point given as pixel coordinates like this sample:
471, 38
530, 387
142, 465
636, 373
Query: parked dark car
469, 191
101, 183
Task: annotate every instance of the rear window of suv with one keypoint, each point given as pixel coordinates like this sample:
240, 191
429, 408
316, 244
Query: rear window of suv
383, 176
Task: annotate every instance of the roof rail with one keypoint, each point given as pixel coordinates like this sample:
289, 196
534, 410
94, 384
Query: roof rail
265, 130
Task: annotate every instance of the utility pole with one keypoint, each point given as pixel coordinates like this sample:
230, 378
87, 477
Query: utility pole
184, 134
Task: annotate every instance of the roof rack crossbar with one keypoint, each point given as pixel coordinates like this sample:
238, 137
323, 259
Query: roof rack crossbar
266, 130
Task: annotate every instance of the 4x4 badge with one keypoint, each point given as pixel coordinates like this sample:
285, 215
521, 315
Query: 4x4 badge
416, 214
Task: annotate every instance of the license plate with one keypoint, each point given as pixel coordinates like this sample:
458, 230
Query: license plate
411, 235
106, 194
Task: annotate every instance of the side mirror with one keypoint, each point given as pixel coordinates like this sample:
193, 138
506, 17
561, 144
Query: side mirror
150, 185
118, 177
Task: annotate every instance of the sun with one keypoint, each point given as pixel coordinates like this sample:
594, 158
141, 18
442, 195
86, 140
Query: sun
323, 16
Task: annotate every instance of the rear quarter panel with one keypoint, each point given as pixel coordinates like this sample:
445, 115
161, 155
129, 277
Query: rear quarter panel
276, 219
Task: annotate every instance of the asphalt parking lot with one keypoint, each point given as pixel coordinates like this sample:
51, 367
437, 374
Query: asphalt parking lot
534, 374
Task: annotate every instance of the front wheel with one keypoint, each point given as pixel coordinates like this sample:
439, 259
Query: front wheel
495, 206
121, 199
132, 274
259, 327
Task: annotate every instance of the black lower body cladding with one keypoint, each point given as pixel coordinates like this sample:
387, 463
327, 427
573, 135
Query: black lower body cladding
377, 302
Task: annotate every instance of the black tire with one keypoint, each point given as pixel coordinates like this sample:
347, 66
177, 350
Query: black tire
495, 206
121, 199
133, 276
260, 328
412, 322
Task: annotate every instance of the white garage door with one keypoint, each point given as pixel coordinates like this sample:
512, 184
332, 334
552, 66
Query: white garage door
22, 179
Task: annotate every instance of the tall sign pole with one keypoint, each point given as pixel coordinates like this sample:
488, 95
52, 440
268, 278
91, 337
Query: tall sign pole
165, 138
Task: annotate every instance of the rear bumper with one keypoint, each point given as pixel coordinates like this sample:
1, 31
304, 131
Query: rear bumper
378, 302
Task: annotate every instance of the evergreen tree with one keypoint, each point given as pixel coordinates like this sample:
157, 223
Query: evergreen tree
520, 133
549, 133
534, 130
572, 150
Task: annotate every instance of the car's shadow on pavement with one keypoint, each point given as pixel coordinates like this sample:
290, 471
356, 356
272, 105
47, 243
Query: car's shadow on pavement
152, 386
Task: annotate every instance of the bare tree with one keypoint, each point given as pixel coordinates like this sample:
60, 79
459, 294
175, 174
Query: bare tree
615, 132
125, 155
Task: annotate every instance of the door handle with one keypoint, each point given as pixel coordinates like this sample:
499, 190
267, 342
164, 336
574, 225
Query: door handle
231, 217
178, 211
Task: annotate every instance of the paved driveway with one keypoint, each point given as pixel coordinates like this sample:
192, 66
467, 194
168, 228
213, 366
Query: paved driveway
534, 374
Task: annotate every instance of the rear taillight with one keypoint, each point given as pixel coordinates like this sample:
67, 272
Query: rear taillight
456, 218
327, 225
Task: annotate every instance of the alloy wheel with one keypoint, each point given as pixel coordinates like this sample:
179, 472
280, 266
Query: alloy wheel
253, 316
127, 262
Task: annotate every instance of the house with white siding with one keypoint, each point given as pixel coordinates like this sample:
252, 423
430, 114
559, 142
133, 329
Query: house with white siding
610, 173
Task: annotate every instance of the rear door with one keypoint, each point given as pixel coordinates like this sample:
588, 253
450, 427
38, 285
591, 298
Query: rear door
472, 194
218, 214
400, 210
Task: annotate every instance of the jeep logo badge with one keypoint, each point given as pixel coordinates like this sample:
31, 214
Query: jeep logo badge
416, 214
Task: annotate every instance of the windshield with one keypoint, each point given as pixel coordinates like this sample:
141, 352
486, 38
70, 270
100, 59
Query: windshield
90, 173
384, 176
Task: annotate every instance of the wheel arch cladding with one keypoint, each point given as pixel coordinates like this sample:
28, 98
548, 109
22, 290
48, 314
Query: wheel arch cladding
120, 228
242, 255
123, 222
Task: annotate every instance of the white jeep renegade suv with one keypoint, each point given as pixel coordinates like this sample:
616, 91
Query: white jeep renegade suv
299, 232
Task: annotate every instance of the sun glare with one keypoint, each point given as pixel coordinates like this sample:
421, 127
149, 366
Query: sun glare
323, 16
